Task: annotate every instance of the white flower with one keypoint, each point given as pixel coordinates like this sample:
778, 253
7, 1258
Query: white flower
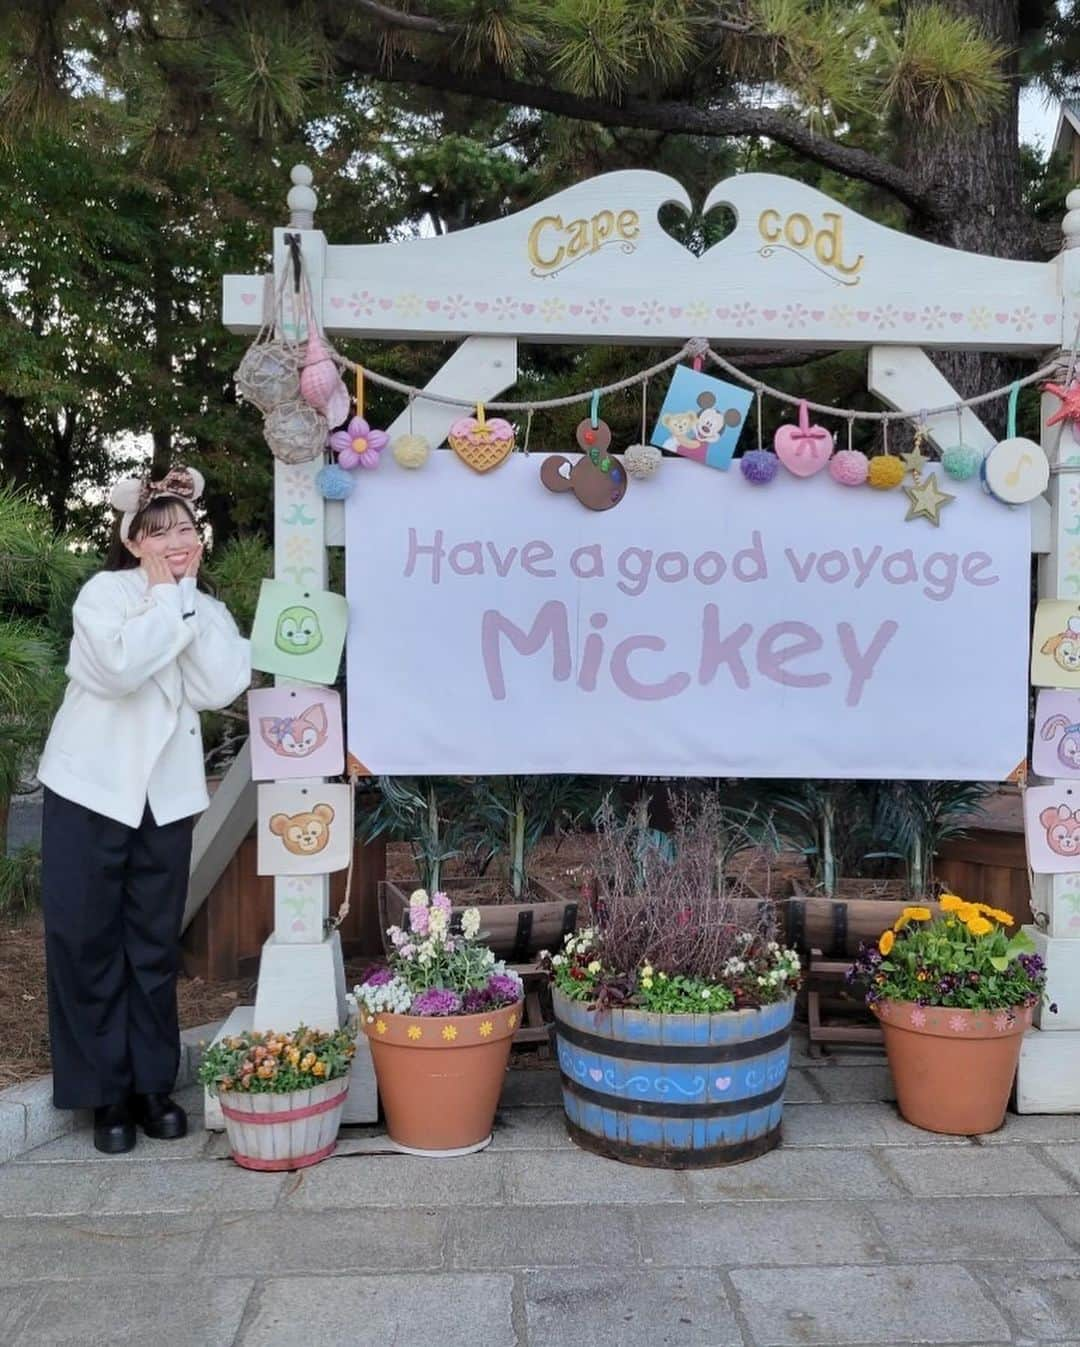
437, 922
470, 922
557, 960
594, 967
705, 993
418, 898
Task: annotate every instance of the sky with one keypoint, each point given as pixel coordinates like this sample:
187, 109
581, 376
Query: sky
1038, 119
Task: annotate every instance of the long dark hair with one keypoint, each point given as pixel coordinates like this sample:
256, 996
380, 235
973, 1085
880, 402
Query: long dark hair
156, 517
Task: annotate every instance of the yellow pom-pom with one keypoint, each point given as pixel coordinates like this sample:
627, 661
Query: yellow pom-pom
886, 471
410, 451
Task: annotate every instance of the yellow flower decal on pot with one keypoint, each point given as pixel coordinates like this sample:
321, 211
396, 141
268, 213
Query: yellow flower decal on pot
885, 944
449, 1032
415, 1032
511, 1021
486, 1029
380, 1026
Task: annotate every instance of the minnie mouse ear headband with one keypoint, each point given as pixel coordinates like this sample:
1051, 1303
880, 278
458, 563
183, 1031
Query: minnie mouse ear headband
132, 494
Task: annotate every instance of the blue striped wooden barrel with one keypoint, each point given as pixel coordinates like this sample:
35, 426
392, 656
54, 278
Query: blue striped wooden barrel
676, 1091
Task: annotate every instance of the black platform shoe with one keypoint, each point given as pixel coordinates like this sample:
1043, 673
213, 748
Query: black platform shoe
114, 1129
159, 1116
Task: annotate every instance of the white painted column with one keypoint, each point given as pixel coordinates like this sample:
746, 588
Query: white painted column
1048, 1080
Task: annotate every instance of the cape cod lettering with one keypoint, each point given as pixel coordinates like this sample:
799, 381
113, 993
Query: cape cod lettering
555, 245
797, 232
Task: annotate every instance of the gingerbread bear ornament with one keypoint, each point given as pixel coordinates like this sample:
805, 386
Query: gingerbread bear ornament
597, 479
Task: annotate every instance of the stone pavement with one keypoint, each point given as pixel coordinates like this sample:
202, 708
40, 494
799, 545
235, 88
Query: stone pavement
859, 1230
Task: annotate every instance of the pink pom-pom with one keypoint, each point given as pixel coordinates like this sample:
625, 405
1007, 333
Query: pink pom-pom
849, 467
759, 466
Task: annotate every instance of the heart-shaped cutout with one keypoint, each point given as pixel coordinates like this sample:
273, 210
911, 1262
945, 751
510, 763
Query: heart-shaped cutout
433, 305
247, 298
803, 449
386, 303
595, 1073
723, 1082
481, 445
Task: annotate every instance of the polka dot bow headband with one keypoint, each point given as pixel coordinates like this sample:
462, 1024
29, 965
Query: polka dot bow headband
132, 494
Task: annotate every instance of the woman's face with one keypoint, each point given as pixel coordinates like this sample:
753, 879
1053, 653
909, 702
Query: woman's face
176, 539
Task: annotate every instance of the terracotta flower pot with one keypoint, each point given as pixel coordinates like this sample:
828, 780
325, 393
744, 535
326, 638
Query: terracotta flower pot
440, 1076
953, 1069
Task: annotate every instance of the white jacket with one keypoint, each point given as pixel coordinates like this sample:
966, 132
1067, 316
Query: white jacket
128, 731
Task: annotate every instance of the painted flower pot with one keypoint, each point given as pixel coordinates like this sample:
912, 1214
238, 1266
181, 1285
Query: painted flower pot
440, 1076
284, 1131
953, 1069
673, 1091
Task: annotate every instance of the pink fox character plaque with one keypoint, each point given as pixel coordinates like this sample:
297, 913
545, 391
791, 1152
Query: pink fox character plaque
295, 732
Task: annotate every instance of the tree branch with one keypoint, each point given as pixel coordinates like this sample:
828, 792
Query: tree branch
931, 200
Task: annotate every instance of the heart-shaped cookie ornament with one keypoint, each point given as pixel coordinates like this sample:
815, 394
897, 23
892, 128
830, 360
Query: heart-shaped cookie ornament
481, 443
803, 449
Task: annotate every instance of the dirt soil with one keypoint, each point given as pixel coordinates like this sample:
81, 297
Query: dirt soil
24, 1009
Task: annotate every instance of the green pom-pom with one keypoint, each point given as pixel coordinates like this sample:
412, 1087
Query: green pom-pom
961, 461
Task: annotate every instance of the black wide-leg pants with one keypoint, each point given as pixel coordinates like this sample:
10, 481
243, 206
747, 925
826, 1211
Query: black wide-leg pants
113, 899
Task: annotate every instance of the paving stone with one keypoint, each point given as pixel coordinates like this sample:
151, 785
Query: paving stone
17, 1304
586, 1236
531, 1129
531, 1087
79, 1146
284, 1241
575, 1177
1039, 1128
12, 1130
751, 1234
59, 1190
200, 1313
398, 1181
458, 1311
192, 1099
196, 1185
587, 1307
834, 1306
43, 1122
1043, 1298
976, 1170
856, 1125
856, 1084
1066, 1156
1065, 1214
799, 1088
60, 1248
788, 1175
967, 1229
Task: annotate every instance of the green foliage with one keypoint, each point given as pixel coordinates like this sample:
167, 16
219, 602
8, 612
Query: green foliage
512, 814
943, 68
236, 570
267, 1063
20, 880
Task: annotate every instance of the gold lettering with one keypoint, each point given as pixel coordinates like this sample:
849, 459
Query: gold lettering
535, 256
806, 230
628, 224
829, 245
603, 225
579, 237
770, 232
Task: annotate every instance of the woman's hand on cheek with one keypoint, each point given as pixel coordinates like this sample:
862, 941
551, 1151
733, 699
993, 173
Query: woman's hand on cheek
157, 570
191, 570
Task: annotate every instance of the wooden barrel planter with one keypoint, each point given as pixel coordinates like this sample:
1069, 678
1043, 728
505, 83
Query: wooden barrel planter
284, 1131
515, 931
673, 1091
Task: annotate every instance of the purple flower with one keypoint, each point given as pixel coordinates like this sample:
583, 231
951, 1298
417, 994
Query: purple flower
475, 1000
1053, 1008
503, 989
441, 900
436, 1001
378, 977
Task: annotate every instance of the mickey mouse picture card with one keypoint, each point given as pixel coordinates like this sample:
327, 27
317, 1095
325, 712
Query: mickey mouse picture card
702, 417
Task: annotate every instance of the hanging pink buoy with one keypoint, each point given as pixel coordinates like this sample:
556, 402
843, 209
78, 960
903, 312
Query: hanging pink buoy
321, 385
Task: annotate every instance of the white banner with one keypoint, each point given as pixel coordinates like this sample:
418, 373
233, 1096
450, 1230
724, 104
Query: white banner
702, 627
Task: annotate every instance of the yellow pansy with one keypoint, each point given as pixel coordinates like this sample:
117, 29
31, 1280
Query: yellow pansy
949, 902
979, 925
886, 942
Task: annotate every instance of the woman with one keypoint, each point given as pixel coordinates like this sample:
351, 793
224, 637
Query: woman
123, 776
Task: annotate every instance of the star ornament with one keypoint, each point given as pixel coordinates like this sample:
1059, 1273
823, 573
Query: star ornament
915, 461
927, 500
1070, 402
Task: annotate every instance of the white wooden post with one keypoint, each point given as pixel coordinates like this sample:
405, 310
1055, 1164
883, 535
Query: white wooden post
1048, 1080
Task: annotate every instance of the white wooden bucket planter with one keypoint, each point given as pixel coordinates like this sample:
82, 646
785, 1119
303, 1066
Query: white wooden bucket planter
284, 1131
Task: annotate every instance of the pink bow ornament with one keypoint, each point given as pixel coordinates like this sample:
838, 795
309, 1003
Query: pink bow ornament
803, 449
358, 445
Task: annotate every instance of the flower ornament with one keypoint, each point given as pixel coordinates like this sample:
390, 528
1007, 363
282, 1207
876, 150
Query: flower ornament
358, 445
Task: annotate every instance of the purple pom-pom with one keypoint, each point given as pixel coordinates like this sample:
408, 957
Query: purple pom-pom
759, 466
334, 483
850, 467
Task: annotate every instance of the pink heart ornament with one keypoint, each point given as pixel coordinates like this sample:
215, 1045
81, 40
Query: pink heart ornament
1001, 317
723, 1082
433, 305
575, 309
247, 299
817, 315
803, 449
628, 310
595, 1073
722, 313
527, 308
386, 303
769, 314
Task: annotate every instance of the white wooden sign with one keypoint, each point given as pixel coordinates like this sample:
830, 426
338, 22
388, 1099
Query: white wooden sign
703, 627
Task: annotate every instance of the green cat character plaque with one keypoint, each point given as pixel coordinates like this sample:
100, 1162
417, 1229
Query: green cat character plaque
299, 632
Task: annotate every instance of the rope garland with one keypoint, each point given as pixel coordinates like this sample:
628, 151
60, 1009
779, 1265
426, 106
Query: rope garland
698, 348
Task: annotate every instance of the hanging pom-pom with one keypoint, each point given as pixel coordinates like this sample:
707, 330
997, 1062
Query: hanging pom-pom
641, 461
410, 451
759, 466
886, 472
961, 461
849, 467
334, 483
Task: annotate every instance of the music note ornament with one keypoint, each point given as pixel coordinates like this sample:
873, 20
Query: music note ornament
1016, 471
